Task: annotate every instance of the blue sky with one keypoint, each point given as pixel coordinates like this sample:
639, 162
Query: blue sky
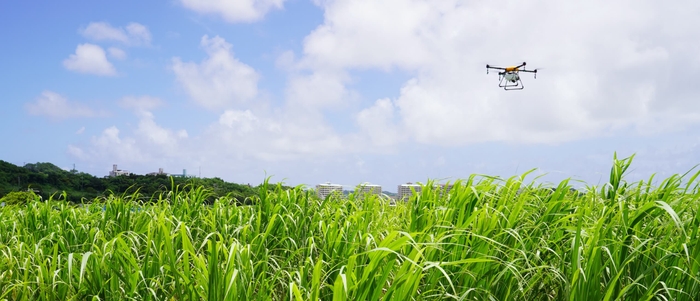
351, 91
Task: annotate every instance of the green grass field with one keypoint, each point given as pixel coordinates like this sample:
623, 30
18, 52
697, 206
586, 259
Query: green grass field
488, 239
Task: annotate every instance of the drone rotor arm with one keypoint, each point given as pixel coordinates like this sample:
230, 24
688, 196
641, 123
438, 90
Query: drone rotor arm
492, 67
530, 71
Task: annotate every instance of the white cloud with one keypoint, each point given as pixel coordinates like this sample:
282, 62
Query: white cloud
55, 106
90, 59
110, 144
134, 34
116, 53
386, 41
148, 143
239, 139
153, 133
102, 31
273, 137
378, 123
148, 130
321, 89
234, 10
604, 70
80, 131
138, 34
221, 80
241, 121
76, 152
141, 103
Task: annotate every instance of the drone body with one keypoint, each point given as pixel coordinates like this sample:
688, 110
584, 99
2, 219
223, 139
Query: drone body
509, 77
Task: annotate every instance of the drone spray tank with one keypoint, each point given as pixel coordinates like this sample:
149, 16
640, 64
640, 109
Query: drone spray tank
511, 77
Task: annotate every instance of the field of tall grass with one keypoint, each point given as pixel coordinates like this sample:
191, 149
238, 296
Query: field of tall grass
487, 239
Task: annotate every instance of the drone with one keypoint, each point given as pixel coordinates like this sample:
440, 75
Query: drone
509, 78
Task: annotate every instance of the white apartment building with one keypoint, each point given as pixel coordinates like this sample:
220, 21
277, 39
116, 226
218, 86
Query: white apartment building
446, 187
368, 188
326, 189
404, 190
118, 172
160, 172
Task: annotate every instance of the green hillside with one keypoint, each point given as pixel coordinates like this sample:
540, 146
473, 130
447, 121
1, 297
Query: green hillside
46, 179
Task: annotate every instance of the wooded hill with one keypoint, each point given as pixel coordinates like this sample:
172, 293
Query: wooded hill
46, 179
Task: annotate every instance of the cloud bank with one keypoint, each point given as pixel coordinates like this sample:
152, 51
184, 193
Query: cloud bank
134, 34
52, 105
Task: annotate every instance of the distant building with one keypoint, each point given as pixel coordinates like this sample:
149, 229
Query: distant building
160, 172
446, 187
404, 191
183, 175
118, 172
369, 188
326, 189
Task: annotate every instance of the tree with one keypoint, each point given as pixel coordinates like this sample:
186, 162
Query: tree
18, 198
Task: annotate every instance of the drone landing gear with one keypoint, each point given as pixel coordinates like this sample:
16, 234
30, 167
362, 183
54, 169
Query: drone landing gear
510, 81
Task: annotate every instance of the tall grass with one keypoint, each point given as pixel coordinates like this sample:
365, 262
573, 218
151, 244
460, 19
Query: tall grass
487, 239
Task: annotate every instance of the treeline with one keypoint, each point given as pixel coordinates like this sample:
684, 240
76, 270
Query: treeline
46, 179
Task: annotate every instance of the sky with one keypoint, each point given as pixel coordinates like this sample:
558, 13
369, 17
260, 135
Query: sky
352, 91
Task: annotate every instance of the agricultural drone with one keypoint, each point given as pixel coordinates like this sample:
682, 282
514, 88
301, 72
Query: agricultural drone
509, 77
